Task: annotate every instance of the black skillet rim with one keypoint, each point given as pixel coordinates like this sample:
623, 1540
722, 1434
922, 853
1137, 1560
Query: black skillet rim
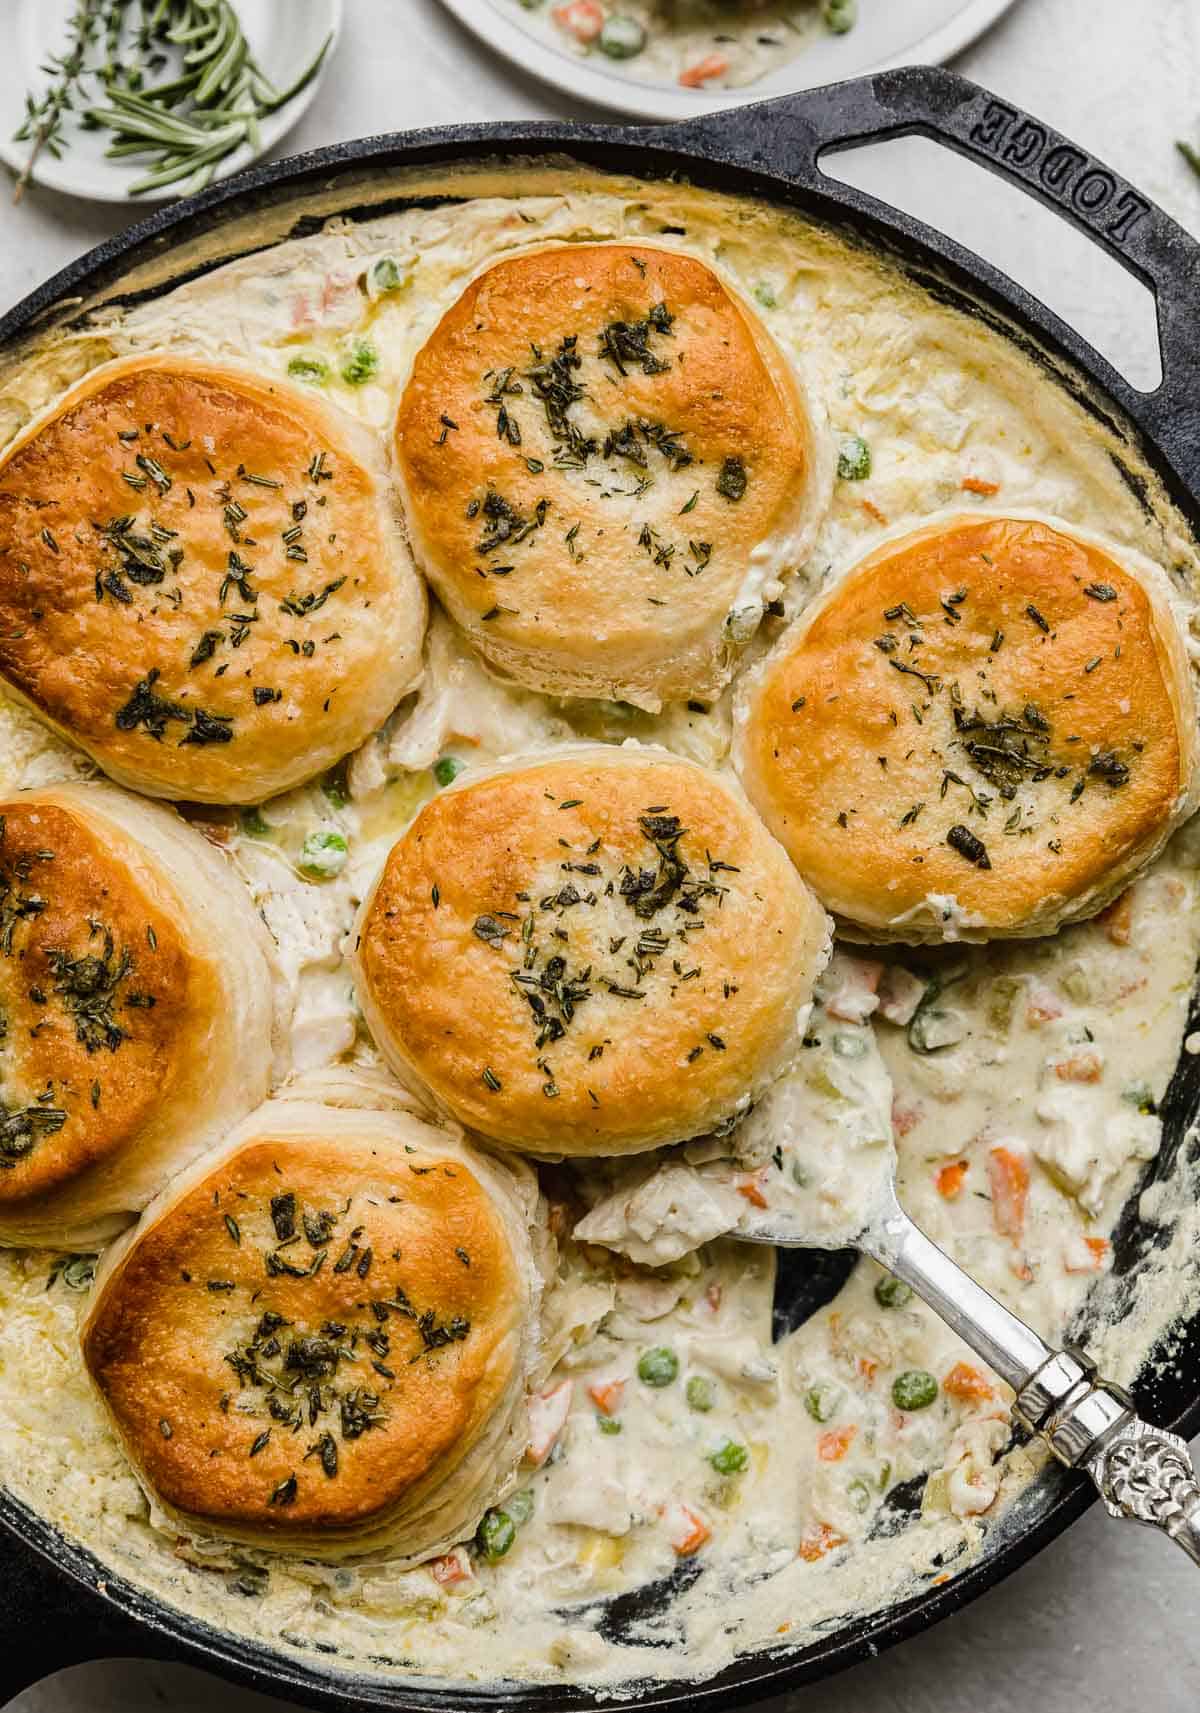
745, 151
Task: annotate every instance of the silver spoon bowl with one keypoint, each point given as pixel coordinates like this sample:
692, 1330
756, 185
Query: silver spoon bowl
1141, 1472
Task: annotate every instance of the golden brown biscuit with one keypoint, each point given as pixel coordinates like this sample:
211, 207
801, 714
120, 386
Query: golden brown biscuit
594, 953
136, 987
316, 1341
607, 465
201, 579
982, 730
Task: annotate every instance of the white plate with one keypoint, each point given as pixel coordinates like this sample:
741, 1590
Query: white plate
888, 33
285, 36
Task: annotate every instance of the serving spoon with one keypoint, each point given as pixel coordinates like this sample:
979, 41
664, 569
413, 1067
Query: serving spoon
1140, 1471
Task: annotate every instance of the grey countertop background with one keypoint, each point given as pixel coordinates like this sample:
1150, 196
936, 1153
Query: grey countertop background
1106, 1618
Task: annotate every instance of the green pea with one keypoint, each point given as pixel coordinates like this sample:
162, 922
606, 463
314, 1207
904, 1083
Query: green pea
79, 1271
1140, 1095
932, 1029
495, 1535
361, 364
839, 16
914, 1389
386, 275
519, 1506
658, 1367
729, 1458
700, 1393
822, 1401
622, 37
854, 459
849, 1046
447, 768
892, 1293
314, 370
859, 1495
608, 1424
253, 824
323, 855
334, 787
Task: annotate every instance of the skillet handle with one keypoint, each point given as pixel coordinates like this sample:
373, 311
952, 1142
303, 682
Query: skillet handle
791, 134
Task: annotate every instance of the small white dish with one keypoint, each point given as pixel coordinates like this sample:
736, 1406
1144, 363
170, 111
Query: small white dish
888, 33
285, 36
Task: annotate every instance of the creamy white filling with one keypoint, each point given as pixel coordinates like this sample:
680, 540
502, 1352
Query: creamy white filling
981, 1085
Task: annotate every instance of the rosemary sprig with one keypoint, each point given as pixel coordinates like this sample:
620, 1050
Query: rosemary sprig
211, 102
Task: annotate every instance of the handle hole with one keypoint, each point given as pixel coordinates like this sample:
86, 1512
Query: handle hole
1054, 261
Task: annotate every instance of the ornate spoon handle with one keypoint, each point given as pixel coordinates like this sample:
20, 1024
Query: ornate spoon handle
1140, 1471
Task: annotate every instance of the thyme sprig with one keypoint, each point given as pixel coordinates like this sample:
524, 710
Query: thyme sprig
45, 119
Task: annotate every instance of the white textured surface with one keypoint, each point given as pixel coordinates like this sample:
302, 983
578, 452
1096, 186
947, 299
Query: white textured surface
1105, 1618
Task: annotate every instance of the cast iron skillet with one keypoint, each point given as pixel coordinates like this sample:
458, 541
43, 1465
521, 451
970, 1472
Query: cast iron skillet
62, 1607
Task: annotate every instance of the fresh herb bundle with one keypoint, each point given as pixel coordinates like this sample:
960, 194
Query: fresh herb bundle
210, 101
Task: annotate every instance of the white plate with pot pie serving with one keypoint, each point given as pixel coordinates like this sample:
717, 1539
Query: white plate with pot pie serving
673, 59
534, 727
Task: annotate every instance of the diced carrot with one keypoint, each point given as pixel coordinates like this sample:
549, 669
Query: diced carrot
1043, 1006
1118, 919
547, 1417
867, 1369
966, 1383
607, 1395
712, 1294
751, 1189
904, 1118
817, 1541
873, 512
583, 19
454, 1567
696, 76
1080, 1068
689, 1531
833, 1446
940, 1580
1020, 1269
216, 824
1008, 1178
979, 485
855, 1000
1097, 1251
900, 993
949, 1179
335, 286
